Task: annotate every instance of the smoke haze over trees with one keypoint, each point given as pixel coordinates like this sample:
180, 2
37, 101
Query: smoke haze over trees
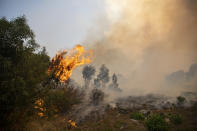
88, 72
146, 41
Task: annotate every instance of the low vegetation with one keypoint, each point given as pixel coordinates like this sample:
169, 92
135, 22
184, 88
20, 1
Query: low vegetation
59, 101
176, 119
156, 123
137, 116
180, 100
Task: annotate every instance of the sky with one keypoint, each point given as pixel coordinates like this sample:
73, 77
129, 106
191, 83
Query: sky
59, 24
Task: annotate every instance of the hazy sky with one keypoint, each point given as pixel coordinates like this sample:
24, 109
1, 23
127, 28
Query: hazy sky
57, 24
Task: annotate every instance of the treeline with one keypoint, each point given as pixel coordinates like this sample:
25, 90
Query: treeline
101, 80
23, 77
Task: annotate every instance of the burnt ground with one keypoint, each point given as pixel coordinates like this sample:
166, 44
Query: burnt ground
115, 119
99, 116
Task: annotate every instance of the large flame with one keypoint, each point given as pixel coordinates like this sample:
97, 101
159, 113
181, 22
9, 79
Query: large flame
64, 62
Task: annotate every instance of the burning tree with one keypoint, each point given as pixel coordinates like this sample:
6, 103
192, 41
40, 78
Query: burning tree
88, 72
64, 62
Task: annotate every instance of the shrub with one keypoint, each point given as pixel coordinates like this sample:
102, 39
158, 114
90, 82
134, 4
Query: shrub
176, 119
96, 96
119, 124
194, 109
60, 101
180, 100
156, 123
137, 116
162, 115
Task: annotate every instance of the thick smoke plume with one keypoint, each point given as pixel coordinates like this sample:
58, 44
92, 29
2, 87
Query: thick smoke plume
151, 46
145, 41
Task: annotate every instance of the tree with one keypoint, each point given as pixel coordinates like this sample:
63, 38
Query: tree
114, 84
97, 83
114, 81
180, 100
22, 72
88, 72
103, 75
156, 123
114, 78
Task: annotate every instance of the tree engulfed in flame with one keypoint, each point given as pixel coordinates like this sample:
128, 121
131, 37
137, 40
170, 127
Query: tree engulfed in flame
64, 62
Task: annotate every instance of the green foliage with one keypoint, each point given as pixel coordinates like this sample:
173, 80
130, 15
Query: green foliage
22, 72
180, 100
194, 109
176, 119
162, 115
156, 123
187, 129
119, 124
137, 116
60, 100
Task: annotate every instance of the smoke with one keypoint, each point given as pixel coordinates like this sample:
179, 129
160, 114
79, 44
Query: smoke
185, 79
145, 41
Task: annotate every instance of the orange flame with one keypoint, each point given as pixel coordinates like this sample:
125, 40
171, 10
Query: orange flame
38, 105
72, 123
64, 62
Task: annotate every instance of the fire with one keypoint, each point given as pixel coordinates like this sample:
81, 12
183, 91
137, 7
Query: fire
38, 105
72, 123
64, 62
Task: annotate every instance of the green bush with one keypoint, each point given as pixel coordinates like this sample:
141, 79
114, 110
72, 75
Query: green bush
118, 124
180, 100
137, 116
176, 119
156, 123
194, 109
60, 101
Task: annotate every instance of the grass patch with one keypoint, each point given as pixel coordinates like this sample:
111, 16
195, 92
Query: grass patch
156, 123
176, 119
137, 116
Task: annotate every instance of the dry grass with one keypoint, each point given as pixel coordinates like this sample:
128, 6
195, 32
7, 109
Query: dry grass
114, 121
